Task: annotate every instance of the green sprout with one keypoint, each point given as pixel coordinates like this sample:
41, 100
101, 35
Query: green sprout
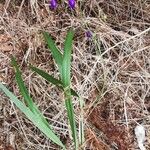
63, 62
31, 111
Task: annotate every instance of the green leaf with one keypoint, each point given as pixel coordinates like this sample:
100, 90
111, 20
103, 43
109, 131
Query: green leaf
51, 79
46, 76
65, 76
55, 51
70, 113
37, 121
66, 65
73, 93
22, 88
24, 92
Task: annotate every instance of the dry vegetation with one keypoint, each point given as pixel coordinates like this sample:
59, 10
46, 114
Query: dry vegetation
111, 71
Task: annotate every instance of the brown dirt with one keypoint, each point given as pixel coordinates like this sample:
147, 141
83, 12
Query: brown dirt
114, 133
112, 77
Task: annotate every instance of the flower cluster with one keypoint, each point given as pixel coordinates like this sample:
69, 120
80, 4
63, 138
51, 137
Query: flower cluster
53, 4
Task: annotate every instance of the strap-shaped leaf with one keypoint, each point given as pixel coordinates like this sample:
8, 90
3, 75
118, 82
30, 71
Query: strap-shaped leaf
46, 76
36, 120
22, 88
70, 113
55, 51
51, 79
73, 93
25, 94
66, 65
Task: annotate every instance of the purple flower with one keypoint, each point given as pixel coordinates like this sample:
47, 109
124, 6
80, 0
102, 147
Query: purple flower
88, 34
71, 4
53, 4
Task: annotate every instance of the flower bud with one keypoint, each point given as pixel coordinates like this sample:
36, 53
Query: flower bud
88, 34
53, 4
71, 4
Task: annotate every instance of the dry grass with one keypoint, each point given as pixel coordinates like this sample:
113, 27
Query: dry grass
111, 70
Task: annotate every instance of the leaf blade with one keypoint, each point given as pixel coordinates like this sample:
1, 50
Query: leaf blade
66, 80
46, 76
70, 113
66, 64
51, 79
22, 88
36, 120
54, 50
24, 92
